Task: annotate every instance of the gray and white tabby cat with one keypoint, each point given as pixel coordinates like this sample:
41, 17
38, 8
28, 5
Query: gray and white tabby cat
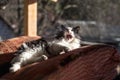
38, 50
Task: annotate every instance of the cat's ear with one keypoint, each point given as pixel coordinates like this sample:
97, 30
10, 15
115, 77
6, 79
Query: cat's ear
62, 27
76, 29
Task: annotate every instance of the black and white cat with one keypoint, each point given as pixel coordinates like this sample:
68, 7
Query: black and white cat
38, 50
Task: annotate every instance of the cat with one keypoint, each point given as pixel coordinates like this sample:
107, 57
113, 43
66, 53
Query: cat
38, 50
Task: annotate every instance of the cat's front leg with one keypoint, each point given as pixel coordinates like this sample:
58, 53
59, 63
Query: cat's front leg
65, 50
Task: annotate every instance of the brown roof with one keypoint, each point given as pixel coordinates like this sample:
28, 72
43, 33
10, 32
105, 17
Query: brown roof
94, 62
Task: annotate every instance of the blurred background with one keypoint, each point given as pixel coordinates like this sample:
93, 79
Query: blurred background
98, 19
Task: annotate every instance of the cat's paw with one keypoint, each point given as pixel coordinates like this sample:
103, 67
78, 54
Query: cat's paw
62, 52
44, 57
65, 50
15, 67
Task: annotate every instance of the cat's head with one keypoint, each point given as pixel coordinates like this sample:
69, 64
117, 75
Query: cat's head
68, 33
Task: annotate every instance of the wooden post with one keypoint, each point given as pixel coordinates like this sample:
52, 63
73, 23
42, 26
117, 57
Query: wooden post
30, 17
